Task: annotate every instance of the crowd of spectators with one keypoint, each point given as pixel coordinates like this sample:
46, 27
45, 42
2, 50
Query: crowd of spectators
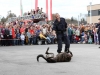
83, 34
26, 32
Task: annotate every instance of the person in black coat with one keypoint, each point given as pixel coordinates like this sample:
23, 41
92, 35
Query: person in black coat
98, 26
59, 30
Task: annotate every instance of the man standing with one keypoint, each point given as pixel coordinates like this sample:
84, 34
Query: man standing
59, 30
98, 32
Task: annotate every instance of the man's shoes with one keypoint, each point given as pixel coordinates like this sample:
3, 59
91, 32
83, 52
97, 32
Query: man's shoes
99, 47
69, 52
58, 52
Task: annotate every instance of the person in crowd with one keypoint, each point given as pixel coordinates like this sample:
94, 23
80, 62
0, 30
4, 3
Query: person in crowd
95, 36
90, 40
2, 36
13, 35
77, 34
22, 37
98, 26
70, 33
28, 34
6, 36
32, 33
10, 35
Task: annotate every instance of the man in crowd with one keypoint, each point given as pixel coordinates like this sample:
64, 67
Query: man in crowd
98, 26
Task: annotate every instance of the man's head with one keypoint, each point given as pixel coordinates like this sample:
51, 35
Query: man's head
57, 16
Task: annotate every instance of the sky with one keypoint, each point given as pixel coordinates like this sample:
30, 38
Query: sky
66, 8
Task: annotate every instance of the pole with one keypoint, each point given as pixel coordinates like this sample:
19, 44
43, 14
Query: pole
21, 8
50, 9
78, 20
36, 4
90, 12
47, 9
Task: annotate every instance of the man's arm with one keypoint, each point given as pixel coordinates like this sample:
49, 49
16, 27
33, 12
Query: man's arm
54, 32
54, 28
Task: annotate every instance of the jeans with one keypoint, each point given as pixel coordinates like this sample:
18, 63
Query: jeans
48, 40
22, 42
14, 41
34, 40
17, 42
52, 40
70, 38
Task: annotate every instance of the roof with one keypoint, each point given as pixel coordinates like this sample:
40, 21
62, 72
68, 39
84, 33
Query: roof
93, 5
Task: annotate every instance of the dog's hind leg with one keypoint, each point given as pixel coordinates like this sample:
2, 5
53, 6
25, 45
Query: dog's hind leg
42, 57
49, 53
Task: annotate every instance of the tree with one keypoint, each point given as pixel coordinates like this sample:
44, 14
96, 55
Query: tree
10, 15
3, 20
83, 21
72, 19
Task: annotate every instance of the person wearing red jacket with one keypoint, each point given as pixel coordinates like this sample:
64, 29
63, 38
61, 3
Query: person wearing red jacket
13, 35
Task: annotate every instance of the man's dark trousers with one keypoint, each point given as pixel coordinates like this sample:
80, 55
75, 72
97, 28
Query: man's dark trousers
62, 37
99, 38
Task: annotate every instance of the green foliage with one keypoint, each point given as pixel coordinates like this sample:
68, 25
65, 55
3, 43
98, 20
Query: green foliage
3, 19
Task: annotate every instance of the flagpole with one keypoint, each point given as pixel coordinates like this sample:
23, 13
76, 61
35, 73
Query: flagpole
21, 8
50, 9
47, 9
36, 4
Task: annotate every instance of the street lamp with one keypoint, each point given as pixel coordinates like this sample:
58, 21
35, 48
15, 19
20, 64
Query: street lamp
78, 20
90, 12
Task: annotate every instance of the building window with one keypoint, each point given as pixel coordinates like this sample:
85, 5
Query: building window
98, 12
88, 13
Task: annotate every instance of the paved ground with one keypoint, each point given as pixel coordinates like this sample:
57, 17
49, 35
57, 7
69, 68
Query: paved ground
21, 60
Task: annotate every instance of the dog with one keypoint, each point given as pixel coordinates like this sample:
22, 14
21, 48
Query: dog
60, 57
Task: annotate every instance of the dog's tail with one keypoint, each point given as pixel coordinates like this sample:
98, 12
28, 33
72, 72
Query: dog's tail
41, 56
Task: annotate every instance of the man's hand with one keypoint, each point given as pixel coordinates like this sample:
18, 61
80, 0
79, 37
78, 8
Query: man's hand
54, 33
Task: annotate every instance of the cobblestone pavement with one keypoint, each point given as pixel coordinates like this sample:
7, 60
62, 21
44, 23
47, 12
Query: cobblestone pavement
21, 60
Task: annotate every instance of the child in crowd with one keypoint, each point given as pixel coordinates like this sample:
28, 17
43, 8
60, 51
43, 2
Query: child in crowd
22, 37
90, 40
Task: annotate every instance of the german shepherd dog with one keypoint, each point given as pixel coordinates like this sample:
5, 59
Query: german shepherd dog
60, 57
